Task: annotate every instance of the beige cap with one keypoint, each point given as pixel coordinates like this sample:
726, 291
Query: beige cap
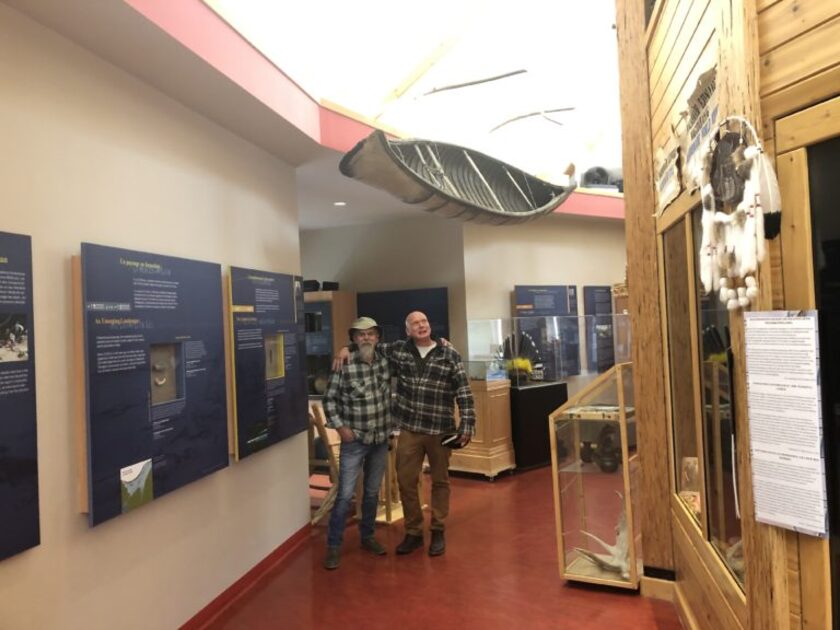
364, 323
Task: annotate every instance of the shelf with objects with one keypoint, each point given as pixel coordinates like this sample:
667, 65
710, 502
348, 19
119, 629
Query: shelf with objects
595, 474
491, 449
542, 380
327, 319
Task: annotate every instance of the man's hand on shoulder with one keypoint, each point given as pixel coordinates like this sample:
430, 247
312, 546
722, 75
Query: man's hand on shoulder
342, 358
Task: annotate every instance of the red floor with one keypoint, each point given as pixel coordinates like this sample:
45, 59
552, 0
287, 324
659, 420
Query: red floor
500, 571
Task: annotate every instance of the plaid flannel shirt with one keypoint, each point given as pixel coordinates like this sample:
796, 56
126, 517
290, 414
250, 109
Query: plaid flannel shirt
428, 388
359, 397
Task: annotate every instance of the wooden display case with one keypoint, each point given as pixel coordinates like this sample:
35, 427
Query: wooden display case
328, 316
491, 449
594, 467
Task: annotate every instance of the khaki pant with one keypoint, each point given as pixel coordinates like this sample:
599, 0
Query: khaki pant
411, 450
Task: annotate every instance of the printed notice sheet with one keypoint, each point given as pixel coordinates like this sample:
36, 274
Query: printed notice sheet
785, 420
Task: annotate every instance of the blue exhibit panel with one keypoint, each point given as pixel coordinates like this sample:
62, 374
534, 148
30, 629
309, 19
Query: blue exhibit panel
155, 376
600, 346
390, 308
560, 349
19, 524
269, 358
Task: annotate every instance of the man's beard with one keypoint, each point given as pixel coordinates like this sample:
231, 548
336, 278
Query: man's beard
366, 351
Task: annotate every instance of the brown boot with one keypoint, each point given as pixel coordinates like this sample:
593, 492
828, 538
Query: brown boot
409, 544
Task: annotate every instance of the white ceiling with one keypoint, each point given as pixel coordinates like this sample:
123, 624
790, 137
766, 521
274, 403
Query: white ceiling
383, 59
319, 185
353, 44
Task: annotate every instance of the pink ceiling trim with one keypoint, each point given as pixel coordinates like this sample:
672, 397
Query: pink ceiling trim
588, 205
340, 132
199, 29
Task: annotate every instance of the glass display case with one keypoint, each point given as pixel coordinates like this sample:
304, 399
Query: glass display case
686, 434
595, 471
549, 349
718, 424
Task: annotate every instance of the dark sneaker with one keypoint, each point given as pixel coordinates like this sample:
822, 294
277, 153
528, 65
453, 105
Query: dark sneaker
333, 558
372, 545
409, 544
438, 544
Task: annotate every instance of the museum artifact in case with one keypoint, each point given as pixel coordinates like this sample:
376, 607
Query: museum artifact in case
595, 470
509, 351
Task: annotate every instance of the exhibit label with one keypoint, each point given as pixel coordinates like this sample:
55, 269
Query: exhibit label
155, 376
269, 356
19, 515
785, 420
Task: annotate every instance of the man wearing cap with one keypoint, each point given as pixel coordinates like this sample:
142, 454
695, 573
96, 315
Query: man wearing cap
430, 379
357, 404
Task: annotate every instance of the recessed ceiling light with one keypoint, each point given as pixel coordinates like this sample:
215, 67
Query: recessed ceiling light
339, 203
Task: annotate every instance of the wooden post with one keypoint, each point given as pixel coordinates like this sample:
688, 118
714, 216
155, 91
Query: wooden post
643, 286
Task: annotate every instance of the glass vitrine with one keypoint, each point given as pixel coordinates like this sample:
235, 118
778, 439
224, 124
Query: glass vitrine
678, 283
718, 425
594, 464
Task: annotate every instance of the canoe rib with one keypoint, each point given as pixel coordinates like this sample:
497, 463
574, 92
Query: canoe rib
452, 181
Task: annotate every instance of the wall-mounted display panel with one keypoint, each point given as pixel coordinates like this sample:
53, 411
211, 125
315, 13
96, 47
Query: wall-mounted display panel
532, 304
19, 517
597, 303
155, 376
269, 352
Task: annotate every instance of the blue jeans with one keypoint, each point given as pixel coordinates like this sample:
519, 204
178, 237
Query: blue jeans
353, 457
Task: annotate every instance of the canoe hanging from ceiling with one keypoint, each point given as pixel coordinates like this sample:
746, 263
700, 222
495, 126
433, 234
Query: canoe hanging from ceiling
452, 181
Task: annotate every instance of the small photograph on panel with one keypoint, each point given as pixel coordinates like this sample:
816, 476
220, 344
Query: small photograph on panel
14, 337
166, 373
136, 485
275, 359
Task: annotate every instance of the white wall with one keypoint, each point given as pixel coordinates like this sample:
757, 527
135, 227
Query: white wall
552, 250
91, 154
412, 253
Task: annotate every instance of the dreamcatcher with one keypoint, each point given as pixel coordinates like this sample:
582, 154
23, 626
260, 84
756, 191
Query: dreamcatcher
741, 207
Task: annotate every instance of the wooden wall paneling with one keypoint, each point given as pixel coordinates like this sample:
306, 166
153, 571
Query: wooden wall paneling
798, 271
657, 35
793, 569
809, 126
816, 50
763, 5
698, 586
765, 547
789, 19
810, 91
668, 52
691, 39
642, 275
677, 210
665, 117
656, 18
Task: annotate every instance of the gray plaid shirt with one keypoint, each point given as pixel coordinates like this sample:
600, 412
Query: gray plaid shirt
427, 389
359, 397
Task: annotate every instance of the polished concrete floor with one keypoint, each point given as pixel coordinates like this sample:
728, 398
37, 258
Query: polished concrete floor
500, 571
